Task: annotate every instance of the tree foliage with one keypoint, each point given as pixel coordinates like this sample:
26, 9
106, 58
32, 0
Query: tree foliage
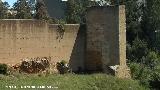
41, 10
151, 20
133, 16
76, 10
71, 16
143, 24
23, 9
3, 10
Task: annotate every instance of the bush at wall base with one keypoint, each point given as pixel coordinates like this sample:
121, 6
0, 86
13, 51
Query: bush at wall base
63, 67
3, 69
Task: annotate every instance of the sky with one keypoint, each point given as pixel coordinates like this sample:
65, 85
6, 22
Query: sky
10, 2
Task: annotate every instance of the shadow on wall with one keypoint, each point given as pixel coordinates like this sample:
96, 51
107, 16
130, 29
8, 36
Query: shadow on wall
77, 58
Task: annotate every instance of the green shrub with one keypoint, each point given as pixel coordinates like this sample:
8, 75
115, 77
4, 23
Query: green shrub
137, 50
155, 81
141, 73
3, 69
148, 71
151, 60
63, 67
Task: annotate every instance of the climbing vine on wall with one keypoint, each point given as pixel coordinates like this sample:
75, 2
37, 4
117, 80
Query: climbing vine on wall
60, 29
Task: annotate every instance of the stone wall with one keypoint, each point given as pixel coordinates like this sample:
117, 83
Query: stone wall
106, 40
21, 39
99, 45
102, 37
122, 35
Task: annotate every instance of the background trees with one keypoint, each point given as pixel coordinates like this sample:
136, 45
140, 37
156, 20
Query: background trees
143, 24
3, 10
23, 9
75, 11
41, 10
143, 30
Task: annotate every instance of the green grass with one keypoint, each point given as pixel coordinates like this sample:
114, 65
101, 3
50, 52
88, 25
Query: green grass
70, 82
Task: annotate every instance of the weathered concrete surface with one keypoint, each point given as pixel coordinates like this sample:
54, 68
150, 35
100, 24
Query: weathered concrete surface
20, 39
106, 39
102, 37
101, 46
77, 60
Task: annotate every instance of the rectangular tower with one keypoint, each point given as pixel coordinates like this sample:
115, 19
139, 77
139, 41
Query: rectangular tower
106, 38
